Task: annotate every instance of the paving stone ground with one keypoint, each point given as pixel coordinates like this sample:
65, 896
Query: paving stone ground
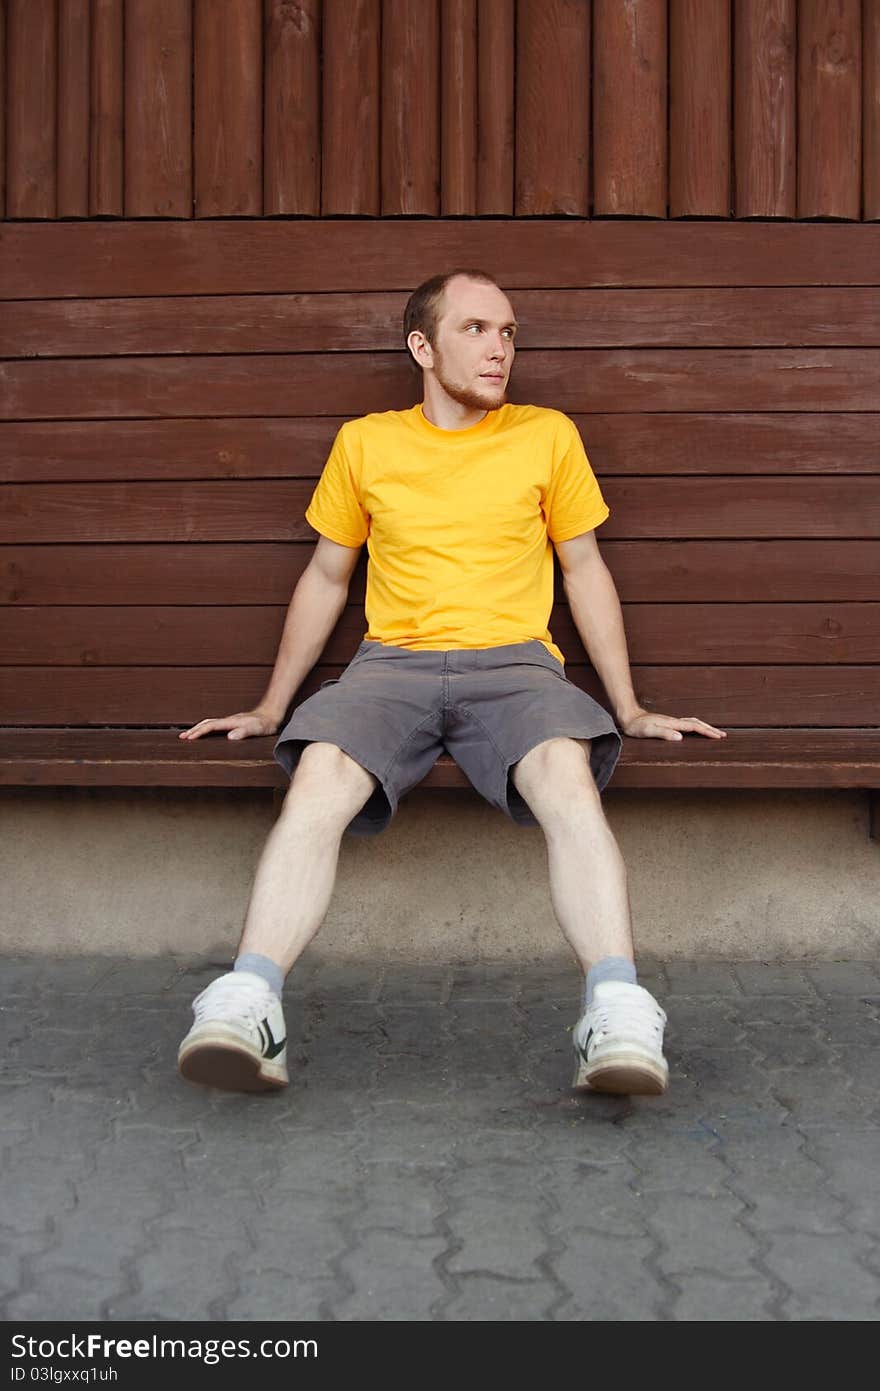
429, 1160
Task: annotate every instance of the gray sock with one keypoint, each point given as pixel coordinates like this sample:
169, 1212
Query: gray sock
261, 966
609, 968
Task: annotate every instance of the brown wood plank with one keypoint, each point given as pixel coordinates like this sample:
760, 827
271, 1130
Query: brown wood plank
764, 104
840, 317
74, 44
871, 109
106, 185
274, 510
228, 110
699, 108
630, 154
31, 109
748, 758
267, 447
410, 115
356, 383
292, 108
158, 105
350, 102
829, 108
496, 23
552, 108
266, 572
59, 259
726, 696
458, 108
3, 90
228, 634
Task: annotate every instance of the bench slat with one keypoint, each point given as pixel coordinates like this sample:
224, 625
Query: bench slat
748, 758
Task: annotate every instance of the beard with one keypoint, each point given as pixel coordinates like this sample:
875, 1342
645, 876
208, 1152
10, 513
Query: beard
471, 396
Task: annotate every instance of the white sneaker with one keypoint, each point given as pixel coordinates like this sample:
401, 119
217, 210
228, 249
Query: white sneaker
618, 1042
239, 1041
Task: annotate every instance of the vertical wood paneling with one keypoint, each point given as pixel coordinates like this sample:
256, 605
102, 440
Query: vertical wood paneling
764, 96
32, 55
443, 108
74, 100
629, 108
2, 108
105, 152
496, 24
829, 108
552, 107
700, 131
871, 113
350, 117
410, 107
158, 108
228, 142
458, 107
292, 115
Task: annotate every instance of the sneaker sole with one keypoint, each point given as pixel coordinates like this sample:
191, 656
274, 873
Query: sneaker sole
229, 1068
621, 1075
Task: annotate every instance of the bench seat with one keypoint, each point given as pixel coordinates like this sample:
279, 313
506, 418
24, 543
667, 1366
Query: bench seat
747, 758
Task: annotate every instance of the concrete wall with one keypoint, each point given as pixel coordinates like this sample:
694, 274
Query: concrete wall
739, 875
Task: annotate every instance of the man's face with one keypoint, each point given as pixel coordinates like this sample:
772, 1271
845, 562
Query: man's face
474, 344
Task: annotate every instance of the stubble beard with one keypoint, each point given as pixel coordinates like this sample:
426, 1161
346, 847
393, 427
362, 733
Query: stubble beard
465, 395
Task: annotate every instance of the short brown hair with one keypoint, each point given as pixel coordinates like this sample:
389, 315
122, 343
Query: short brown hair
423, 307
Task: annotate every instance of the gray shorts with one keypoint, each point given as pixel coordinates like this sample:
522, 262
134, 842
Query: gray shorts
395, 709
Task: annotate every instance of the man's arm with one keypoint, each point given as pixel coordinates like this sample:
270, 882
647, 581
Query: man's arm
595, 608
313, 612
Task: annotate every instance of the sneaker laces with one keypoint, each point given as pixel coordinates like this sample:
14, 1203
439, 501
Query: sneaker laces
232, 997
639, 1019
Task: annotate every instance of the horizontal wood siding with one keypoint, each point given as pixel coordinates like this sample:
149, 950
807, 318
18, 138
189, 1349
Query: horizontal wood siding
167, 404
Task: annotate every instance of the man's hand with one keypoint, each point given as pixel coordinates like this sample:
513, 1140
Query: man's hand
646, 725
241, 726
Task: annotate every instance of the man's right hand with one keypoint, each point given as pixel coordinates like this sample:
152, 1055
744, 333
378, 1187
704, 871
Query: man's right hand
241, 726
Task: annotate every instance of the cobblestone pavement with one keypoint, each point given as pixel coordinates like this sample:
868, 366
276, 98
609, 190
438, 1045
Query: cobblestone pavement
429, 1160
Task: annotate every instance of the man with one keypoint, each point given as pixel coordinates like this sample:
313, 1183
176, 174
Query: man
459, 500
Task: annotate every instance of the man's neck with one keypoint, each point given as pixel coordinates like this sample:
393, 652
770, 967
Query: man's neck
450, 415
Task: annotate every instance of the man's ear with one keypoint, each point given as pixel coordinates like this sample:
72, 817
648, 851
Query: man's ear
417, 342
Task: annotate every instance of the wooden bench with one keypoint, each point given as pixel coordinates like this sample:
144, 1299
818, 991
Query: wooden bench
154, 487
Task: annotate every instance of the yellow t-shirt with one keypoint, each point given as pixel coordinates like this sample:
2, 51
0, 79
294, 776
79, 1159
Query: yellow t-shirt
458, 523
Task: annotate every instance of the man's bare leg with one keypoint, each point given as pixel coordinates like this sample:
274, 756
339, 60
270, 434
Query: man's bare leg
588, 887
297, 870
238, 1040
619, 1037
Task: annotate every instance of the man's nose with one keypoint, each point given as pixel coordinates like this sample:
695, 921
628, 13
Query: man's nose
499, 347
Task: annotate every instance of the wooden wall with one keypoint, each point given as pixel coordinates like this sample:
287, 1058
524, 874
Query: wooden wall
169, 392
440, 108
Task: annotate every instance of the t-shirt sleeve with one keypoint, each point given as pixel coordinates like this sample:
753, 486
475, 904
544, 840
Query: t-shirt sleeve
336, 509
573, 502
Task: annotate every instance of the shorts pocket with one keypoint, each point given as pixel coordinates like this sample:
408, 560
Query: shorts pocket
540, 657
331, 681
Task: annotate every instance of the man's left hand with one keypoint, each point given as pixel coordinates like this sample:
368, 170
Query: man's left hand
646, 725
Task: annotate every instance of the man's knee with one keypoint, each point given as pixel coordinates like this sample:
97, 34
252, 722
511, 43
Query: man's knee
328, 780
555, 777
